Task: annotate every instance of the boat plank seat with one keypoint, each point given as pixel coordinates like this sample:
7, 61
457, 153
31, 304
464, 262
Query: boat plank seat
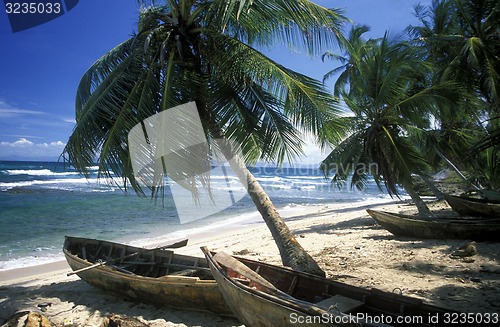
84, 253
95, 255
165, 265
186, 272
342, 303
123, 270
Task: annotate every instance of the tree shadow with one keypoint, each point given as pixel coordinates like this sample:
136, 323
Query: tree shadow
477, 292
340, 211
474, 298
362, 223
74, 298
490, 250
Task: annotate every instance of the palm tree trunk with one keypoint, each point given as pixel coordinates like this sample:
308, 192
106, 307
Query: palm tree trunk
430, 184
292, 253
422, 208
456, 170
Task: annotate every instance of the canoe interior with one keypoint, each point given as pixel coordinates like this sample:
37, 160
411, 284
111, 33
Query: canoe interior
324, 293
137, 261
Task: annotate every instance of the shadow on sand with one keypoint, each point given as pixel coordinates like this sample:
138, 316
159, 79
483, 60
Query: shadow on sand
87, 305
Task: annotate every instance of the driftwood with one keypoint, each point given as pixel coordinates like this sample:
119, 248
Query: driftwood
28, 319
115, 320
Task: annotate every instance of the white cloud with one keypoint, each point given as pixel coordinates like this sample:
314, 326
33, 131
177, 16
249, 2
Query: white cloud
69, 120
22, 142
9, 111
24, 149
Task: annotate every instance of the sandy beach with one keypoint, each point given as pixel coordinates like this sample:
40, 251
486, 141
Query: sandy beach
349, 245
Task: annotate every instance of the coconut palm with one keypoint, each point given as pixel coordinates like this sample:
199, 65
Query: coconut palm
384, 90
437, 34
478, 65
354, 48
206, 51
478, 62
460, 38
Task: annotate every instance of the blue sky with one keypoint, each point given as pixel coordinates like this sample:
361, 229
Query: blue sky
40, 68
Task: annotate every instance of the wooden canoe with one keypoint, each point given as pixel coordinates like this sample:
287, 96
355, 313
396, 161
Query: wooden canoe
473, 207
479, 229
146, 275
263, 295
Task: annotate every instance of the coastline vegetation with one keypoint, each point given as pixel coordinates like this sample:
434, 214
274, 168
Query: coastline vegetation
423, 101
417, 103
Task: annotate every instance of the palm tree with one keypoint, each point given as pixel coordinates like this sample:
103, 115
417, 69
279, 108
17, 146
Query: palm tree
461, 38
437, 33
205, 51
477, 63
383, 87
355, 48
478, 67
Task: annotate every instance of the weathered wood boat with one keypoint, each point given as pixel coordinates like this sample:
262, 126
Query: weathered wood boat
146, 275
264, 295
473, 206
479, 229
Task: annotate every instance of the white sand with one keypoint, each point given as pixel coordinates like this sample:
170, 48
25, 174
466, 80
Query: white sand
345, 241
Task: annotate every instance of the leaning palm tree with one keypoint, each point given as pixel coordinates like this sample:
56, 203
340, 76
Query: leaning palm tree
206, 52
383, 89
437, 33
477, 63
354, 48
460, 38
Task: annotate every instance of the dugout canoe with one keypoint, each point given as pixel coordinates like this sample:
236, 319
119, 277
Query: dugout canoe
473, 206
470, 228
263, 295
146, 275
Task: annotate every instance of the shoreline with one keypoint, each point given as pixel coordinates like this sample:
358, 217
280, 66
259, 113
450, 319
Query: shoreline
345, 241
196, 238
213, 229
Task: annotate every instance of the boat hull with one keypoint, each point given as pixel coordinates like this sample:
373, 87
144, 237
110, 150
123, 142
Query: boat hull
296, 298
254, 311
173, 290
479, 229
473, 207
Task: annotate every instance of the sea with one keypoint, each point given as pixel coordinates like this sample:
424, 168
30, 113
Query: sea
42, 202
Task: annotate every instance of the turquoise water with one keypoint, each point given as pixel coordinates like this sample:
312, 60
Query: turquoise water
42, 202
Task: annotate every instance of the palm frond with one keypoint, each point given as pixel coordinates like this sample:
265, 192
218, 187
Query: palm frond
303, 99
295, 23
200, 51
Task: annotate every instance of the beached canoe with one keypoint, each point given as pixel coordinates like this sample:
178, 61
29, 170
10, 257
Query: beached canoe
263, 295
473, 207
479, 229
146, 275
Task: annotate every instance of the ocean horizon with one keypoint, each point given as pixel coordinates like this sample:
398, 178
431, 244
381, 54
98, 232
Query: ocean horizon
41, 202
